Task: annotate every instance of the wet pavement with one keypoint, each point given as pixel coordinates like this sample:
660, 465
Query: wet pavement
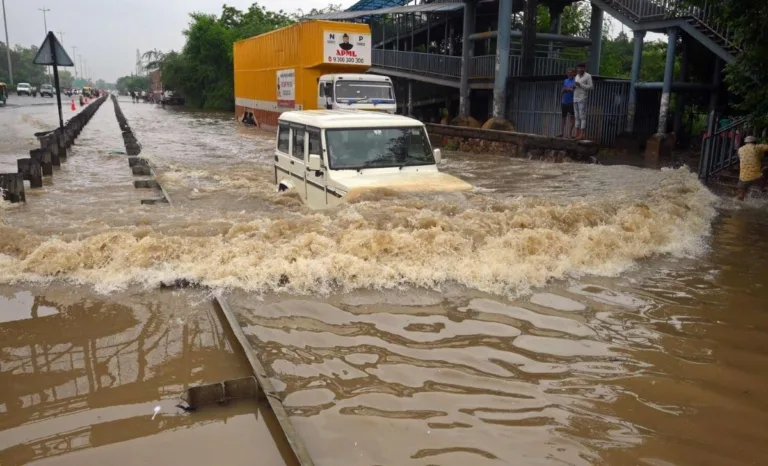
557, 314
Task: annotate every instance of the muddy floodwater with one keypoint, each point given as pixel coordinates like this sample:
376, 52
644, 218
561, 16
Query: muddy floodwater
556, 314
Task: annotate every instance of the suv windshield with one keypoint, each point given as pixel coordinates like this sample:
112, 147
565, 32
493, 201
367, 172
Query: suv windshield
363, 90
377, 147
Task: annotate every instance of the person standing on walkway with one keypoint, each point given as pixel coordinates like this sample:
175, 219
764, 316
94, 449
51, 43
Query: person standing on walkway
566, 103
751, 165
581, 86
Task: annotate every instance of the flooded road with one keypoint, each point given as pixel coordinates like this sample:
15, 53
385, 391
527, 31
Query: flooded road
557, 314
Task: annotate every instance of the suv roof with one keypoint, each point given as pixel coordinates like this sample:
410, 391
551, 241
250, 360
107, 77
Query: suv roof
23, 85
47, 86
348, 119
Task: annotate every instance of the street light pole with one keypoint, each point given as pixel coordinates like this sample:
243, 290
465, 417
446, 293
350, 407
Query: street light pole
74, 54
45, 23
7, 46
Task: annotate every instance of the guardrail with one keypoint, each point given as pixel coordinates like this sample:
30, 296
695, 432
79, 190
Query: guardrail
650, 10
443, 65
480, 67
719, 151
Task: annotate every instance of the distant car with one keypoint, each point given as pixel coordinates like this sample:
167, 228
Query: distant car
23, 89
47, 90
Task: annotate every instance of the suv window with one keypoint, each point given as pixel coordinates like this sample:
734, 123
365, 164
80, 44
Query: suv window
298, 143
283, 136
314, 142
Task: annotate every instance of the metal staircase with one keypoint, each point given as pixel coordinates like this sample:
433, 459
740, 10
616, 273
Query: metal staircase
699, 22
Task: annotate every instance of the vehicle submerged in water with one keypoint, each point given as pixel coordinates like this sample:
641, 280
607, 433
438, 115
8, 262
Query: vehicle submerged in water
324, 155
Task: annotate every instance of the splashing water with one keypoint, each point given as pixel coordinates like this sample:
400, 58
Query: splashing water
381, 240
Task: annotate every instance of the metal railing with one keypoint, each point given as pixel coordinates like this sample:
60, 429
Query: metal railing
481, 67
649, 10
535, 108
430, 63
719, 151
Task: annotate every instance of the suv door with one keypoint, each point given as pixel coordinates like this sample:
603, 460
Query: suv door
298, 157
317, 182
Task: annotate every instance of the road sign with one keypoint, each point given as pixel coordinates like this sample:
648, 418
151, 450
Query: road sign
52, 53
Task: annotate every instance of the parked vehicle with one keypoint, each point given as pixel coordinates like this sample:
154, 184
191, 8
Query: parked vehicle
86, 91
308, 65
171, 98
324, 155
3, 93
24, 89
47, 90
356, 91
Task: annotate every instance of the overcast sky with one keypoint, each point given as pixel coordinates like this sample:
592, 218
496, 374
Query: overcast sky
108, 32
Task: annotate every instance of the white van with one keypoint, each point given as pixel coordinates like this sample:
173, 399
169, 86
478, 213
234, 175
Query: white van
326, 154
356, 92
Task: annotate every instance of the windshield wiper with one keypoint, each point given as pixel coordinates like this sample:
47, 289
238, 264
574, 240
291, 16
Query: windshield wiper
411, 159
369, 163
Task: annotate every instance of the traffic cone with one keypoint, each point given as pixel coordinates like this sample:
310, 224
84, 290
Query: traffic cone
73, 105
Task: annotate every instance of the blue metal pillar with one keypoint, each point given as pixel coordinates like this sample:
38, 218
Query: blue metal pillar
637, 62
669, 74
502, 59
466, 54
596, 34
706, 150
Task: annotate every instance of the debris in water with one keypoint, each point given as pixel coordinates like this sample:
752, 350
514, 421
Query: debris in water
187, 409
156, 412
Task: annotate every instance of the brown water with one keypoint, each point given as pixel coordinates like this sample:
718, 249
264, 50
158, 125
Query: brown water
565, 314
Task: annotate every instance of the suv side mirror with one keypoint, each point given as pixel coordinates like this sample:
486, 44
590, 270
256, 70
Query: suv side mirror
315, 162
438, 155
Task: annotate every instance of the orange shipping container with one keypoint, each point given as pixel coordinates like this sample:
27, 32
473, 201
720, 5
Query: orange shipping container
278, 71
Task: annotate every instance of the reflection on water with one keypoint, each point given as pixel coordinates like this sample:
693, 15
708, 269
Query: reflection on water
397, 327
79, 373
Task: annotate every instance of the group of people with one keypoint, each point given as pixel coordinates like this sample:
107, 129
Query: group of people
249, 119
573, 103
138, 96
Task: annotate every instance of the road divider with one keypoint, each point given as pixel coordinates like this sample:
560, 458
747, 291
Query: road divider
52, 152
139, 166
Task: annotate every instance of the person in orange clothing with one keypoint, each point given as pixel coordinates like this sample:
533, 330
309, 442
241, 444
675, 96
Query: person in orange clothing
751, 166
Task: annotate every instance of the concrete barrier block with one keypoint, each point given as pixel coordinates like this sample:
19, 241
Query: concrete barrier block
12, 187
141, 170
31, 170
44, 157
159, 200
146, 184
135, 161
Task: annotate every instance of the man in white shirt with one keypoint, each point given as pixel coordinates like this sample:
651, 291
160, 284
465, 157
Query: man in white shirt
582, 85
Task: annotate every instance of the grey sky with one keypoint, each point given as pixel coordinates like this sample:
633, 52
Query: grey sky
108, 32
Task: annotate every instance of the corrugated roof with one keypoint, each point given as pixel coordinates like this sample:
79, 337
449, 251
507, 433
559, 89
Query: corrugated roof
376, 4
428, 7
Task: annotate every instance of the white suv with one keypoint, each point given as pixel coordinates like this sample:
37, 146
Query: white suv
46, 90
23, 88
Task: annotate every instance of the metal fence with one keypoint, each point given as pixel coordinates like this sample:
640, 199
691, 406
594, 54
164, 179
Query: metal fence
642, 10
481, 67
430, 63
534, 107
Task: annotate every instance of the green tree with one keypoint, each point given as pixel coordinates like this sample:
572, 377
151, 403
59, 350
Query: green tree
132, 83
202, 70
23, 69
746, 76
